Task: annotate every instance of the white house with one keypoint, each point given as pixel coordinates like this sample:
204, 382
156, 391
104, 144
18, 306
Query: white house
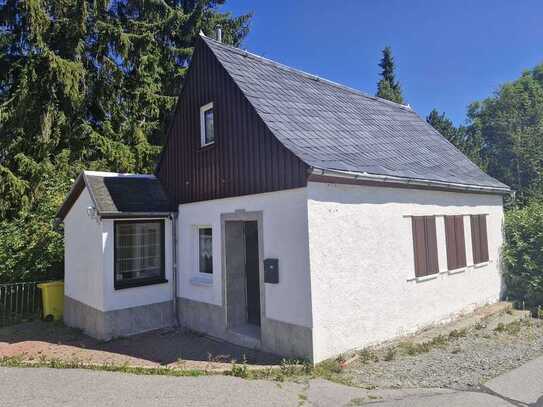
287, 213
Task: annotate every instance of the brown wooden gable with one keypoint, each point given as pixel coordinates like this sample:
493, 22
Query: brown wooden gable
246, 158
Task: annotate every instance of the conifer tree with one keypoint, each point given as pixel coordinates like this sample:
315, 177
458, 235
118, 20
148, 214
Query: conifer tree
86, 84
388, 88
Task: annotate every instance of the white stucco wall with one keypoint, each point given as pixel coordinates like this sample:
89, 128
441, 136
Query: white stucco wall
83, 260
89, 268
362, 265
133, 296
285, 237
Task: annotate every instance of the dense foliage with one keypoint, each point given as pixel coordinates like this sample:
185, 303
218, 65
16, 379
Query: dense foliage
85, 84
388, 88
504, 135
523, 254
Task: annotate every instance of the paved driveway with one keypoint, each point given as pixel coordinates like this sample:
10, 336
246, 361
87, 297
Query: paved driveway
66, 387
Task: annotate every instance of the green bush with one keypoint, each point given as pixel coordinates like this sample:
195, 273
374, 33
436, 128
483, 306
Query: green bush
523, 254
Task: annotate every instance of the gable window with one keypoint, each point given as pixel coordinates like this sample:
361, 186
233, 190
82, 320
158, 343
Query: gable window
454, 238
425, 245
205, 249
207, 130
479, 240
138, 253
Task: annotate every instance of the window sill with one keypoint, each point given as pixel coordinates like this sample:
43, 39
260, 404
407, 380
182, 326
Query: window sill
479, 265
203, 281
205, 147
424, 278
457, 271
141, 283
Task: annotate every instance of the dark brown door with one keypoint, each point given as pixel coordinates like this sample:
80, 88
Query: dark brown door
252, 272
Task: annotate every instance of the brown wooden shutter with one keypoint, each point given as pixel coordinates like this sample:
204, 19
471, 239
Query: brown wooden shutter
450, 240
455, 241
483, 238
419, 245
475, 239
460, 241
425, 245
479, 238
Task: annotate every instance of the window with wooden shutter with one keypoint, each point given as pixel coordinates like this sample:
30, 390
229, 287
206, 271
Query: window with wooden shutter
479, 239
456, 246
425, 245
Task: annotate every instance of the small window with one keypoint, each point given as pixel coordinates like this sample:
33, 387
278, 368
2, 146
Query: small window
207, 130
456, 246
139, 253
479, 240
425, 245
205, 250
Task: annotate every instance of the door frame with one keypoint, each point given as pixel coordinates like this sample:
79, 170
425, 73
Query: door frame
243, 216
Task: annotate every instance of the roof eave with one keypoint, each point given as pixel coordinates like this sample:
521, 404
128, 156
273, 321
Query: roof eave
410, 182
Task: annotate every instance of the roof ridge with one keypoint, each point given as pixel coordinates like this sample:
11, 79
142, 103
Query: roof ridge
303, 73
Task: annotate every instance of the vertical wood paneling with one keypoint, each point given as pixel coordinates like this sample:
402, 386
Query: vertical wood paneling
245, 159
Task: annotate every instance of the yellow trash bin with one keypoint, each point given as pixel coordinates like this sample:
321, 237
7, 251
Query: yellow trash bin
52, 299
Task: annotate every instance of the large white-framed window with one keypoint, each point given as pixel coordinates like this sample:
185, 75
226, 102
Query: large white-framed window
205, 249
138, 253
207, 129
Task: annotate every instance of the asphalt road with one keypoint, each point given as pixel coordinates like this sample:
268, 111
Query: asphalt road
81, 388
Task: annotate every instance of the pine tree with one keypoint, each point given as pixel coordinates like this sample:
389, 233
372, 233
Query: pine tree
388, 88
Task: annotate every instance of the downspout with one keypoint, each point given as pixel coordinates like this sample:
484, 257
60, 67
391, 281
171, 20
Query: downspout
173, 218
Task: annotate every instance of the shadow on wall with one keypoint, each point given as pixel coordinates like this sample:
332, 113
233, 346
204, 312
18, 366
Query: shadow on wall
55, 340
354, 194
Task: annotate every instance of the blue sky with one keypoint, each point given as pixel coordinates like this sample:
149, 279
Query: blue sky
448, 53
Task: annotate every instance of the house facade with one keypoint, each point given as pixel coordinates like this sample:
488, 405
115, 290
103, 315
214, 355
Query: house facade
287, 213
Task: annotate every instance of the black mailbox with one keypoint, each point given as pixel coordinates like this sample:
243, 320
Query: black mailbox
271, 271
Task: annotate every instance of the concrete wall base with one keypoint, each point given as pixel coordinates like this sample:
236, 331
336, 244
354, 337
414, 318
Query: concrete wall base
124, 322
280, 338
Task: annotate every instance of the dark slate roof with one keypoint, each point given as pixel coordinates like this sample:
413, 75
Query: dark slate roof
333, 127
117, 195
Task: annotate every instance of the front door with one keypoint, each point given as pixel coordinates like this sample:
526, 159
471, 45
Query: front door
242, 273
252, 272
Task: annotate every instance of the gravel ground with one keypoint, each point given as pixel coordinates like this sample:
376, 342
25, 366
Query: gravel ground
480, 353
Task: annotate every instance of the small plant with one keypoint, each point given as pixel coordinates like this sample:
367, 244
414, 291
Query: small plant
500, 327
390, 355
479, 325
290, 367
440, 340
327, 368
367, 356
240, 370
412, 349
458, 333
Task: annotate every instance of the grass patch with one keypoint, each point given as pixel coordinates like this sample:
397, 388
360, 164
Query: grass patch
366, 356
76, 364
458, 333
512, 328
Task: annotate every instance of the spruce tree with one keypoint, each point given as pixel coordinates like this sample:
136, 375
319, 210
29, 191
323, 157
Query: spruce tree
86, 84
388, 88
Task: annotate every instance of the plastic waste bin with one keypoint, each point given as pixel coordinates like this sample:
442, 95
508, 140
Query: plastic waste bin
52, 299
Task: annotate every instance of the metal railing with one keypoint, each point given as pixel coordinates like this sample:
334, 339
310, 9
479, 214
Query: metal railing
19, 302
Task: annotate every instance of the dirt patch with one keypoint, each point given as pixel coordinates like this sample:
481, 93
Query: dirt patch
42, 341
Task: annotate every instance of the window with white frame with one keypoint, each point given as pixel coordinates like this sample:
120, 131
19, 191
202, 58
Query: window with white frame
138, 253
205, 249
207, 130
